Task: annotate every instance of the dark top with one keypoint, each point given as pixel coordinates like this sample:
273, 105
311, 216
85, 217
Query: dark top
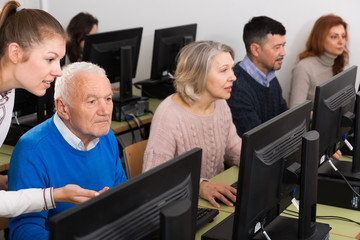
251, 103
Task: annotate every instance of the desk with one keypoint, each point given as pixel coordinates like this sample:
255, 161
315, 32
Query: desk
340, 230
5, 155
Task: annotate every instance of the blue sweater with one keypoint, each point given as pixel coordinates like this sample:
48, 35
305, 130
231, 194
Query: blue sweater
252, 103
42, 158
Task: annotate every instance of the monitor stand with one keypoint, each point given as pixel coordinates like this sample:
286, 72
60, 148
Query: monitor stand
287, 228
160, 88
333, 190
280, 228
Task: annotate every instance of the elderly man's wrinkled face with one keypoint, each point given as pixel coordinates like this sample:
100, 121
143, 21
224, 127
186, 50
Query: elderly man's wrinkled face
91, 107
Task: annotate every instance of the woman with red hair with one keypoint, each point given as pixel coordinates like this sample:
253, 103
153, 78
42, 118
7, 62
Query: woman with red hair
325, 56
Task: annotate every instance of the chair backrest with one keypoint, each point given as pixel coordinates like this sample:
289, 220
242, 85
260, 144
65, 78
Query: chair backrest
133, 156
3, 223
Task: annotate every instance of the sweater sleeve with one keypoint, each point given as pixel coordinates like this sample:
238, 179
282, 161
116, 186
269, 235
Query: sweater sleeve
300, 85
161, 145
27, 171
14, 203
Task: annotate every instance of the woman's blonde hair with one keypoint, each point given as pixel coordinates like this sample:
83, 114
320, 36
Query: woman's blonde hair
194, 63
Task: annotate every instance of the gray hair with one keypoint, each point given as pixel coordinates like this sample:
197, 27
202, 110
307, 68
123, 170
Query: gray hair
194, 63
65, 85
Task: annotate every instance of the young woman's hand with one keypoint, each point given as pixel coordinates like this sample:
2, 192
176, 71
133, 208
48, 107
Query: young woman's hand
75, 194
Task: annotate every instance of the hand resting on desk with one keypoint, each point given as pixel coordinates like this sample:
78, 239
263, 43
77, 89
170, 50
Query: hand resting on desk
217, 190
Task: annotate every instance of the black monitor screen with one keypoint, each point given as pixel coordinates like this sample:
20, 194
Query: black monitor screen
167, 44
334, 110
136, 209
29, 110
271, 154
118, 53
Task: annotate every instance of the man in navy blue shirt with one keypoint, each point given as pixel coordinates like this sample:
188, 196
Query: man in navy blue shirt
256, 95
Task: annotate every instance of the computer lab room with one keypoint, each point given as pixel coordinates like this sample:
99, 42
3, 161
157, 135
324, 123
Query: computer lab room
179, 120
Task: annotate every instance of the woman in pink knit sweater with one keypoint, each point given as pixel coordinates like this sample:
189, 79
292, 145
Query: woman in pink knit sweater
198, 116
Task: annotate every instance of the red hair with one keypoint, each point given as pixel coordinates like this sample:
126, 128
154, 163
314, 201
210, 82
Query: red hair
315, 42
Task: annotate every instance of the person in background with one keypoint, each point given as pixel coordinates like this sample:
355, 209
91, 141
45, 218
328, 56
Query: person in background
257, 94
76, 146
197, 116
79, 26
32, 42
325, 55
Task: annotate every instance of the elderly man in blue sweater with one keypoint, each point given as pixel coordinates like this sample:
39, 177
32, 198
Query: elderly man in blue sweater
256, 95
75, 146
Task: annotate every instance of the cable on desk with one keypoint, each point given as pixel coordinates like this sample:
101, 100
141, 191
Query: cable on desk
142, 127
343, 177
137, 122
129, 125
18, 123
264, 232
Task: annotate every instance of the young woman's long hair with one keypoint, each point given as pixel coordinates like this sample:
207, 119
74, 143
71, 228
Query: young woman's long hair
315, 42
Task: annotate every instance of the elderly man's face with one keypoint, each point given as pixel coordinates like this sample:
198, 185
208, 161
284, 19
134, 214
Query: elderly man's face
91, 107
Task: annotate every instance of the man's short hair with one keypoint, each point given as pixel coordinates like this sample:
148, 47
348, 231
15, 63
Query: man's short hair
64, 86
257, 29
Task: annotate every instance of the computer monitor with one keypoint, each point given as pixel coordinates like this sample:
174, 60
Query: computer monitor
29, 110
167, 44
335, 117
275, 155
139, 208
118, 53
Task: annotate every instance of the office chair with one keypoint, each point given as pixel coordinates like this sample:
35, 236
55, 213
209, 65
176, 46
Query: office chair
3, 223
4, 227
133, 158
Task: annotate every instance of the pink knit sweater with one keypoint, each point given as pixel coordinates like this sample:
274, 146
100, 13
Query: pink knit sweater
175, 130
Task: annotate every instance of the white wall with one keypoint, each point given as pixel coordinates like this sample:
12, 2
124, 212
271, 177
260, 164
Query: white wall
217, 20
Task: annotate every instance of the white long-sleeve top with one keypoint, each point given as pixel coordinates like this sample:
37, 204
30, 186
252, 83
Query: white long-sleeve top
14, 203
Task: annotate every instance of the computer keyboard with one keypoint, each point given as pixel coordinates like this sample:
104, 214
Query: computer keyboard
205, 215
234, 185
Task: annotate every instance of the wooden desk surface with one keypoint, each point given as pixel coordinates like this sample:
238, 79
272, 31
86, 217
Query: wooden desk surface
341, 230
5, 155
